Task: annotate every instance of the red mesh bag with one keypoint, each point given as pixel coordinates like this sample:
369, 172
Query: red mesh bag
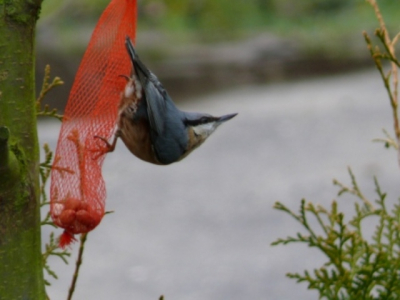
77, 187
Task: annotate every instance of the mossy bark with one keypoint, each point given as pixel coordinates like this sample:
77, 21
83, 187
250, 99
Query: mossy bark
21, 271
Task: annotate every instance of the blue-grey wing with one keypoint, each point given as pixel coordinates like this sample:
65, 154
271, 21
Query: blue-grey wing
156, 103
155, 93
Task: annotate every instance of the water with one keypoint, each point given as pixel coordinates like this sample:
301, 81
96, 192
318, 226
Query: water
202, 228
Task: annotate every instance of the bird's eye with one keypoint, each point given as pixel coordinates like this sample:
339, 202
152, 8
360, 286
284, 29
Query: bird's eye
204, 120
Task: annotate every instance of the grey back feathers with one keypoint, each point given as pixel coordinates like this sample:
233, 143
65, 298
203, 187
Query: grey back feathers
155, 93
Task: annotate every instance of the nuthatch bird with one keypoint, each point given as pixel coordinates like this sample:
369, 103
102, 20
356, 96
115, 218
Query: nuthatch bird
150, 124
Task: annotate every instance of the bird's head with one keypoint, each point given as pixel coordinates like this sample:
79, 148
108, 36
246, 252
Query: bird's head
201, 126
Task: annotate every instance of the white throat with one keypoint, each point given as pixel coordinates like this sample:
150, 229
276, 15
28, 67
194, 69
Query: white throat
205, 130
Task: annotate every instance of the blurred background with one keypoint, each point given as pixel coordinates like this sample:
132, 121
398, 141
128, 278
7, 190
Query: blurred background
309, 103
190, 44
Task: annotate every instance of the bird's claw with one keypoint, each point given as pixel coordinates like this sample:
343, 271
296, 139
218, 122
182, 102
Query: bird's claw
108, 145
102, 149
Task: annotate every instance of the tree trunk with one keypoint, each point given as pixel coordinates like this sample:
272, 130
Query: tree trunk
21, 270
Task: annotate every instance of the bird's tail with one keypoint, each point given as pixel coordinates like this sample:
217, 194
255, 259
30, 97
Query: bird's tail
139, 68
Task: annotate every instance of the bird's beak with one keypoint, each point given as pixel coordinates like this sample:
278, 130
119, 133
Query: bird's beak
226, 118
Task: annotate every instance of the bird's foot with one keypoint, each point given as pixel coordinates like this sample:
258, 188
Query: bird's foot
105, 146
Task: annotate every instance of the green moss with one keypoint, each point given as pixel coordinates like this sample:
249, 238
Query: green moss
9, 166
22, 12
21, 274
4, 135
9, 175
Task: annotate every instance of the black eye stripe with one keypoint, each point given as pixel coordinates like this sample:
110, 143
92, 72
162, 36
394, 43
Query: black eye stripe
202, 120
